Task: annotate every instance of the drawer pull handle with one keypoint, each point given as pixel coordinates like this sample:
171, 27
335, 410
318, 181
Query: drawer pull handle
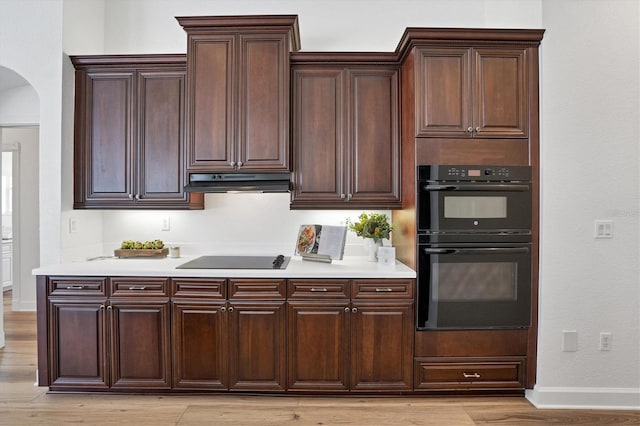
76, 287
383, 290
137, 287
318, 290
471, 375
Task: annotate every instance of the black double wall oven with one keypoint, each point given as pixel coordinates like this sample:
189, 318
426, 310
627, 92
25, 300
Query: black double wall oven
474, 247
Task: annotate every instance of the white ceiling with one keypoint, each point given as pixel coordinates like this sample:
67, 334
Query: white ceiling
10, 79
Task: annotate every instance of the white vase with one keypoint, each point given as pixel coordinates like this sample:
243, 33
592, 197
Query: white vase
371, 246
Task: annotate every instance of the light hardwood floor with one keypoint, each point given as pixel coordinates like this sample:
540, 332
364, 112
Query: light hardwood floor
22, 403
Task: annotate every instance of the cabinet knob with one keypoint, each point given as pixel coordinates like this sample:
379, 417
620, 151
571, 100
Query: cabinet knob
102, 307
131, 196
469, 129
232, 164
477, 129
349, 197
240, 163
137, 197
223, 309
354, 310
230, 308
109, 308
342, 196
346, 309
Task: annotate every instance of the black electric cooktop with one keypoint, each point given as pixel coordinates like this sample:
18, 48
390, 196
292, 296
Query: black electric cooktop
237, 262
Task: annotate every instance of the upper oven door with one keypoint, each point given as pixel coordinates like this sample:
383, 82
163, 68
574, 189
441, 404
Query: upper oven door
474, 207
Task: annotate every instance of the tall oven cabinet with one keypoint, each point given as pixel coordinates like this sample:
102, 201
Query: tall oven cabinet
470, 97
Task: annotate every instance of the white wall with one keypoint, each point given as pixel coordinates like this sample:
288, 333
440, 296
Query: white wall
590, 166
31, 45
26, 232
19, 106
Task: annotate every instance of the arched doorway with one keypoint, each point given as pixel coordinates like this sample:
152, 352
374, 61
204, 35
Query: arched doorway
19, 138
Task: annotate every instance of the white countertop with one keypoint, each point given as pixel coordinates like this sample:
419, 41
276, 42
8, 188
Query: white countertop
350, 267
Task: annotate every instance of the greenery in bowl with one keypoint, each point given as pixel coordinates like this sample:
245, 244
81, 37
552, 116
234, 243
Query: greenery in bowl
373, 225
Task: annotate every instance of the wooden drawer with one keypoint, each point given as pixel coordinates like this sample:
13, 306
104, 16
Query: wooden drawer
77, 286
139, 287
469, 373
196, 288
318, 289
257, 289
382, 289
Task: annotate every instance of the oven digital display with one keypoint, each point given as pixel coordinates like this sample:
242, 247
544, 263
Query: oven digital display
473, 172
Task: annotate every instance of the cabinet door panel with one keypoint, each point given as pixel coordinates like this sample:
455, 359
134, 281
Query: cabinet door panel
200, 345
210, 99
382, 356
161, 136
264, 103
318, 144
140, 345
500, 92
374, 140
318, 347
257, 346
77, 345
109, 136
443, 89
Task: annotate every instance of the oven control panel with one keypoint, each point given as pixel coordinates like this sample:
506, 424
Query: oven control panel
474, 173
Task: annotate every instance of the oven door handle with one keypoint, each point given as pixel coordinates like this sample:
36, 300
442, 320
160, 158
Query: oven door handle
481, 250
516, 187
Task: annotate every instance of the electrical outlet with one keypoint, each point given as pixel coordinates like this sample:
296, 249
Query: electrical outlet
603, 229
569, 340
73, 225
166, 223
605, 341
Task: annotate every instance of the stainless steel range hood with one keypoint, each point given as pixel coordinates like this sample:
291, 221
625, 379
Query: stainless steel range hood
238, 182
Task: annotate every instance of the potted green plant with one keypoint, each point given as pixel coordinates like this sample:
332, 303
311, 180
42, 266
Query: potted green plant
373, 227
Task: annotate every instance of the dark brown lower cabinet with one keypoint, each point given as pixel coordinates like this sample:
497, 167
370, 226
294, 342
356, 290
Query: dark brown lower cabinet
200, 354
253, 335
318, 346
108, 343
257, 346
78, 345
235, 344
382, 350
469, 373
139, 342
354, 336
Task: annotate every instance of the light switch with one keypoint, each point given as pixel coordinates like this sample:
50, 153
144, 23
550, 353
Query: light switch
569, 340
603, 229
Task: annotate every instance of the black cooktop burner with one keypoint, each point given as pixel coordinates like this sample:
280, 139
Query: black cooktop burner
237, 262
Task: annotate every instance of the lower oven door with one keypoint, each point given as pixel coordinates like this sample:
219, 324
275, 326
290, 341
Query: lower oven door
474, 287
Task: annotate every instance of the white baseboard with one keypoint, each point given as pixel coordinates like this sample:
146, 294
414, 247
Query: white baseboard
585, 398
24, 306
1, 337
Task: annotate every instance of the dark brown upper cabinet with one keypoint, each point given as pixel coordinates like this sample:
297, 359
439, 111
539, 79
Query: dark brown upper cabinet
346, 144
129, 133
464, 92
238, 92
